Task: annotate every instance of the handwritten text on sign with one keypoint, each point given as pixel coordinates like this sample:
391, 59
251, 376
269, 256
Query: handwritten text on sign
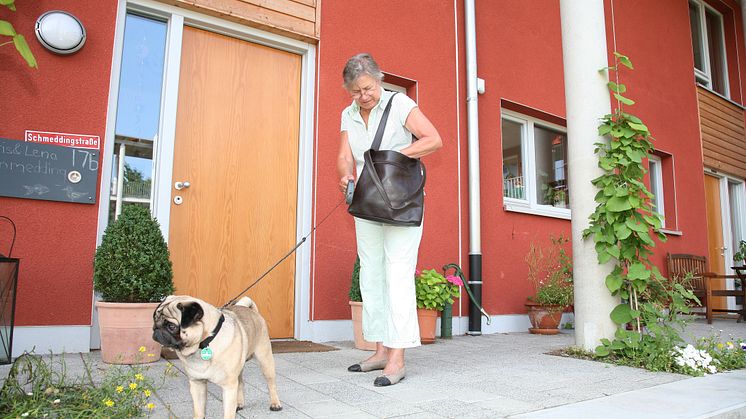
48, 172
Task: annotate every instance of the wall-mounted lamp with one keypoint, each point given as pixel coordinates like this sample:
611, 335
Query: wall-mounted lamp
60, 32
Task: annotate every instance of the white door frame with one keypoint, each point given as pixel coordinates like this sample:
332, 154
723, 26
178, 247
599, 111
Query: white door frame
725, 214
177, 18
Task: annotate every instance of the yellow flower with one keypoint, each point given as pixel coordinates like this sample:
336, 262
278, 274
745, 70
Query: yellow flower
720, 346
139, 377
133, 386
147, 393
108, 402
150, 406
120, 389
142, 349
151, 355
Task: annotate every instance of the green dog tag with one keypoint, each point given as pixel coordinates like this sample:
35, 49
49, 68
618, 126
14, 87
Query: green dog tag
206, 354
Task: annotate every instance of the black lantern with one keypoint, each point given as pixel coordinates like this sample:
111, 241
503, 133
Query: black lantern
8, 285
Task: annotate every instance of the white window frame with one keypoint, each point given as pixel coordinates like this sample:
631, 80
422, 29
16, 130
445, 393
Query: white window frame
528, 153
705, 77
659, 198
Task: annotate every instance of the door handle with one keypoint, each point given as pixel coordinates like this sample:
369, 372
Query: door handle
182, 185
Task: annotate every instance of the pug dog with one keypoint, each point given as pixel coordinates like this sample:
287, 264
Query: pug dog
213, 345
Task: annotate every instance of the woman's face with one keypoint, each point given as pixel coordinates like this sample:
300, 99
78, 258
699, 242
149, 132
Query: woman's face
365, 90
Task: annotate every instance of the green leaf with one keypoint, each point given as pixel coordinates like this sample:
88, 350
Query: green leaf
618, 88
613, 251
623, 60
604, 129
632, 225
9, 4
617, 345
614, 282
622, 232
638, 271
602, 351
618, 204
621, 314
6, 28
22, 47
624, 100
639, 127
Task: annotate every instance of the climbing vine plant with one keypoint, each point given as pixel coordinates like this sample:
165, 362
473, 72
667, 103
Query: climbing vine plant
7, 30
623, 226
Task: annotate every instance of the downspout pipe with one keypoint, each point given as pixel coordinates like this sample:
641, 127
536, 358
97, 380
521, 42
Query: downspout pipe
475, 239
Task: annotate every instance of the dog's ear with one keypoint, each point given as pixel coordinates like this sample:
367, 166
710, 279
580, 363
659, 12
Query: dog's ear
190, 313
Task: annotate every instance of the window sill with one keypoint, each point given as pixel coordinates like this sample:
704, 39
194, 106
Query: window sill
541, 210
671, 232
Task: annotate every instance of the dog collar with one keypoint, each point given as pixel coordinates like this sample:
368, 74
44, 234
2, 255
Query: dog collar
205, 343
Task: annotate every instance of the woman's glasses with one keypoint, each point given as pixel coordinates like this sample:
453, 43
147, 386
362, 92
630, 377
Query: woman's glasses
366, 91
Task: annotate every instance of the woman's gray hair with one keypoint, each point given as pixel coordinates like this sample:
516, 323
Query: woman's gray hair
359, 65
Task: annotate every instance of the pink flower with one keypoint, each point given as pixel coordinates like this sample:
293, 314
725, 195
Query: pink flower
417, 272
455, 280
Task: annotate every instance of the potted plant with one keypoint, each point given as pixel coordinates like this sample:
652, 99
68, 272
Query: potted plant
434, 291
133, 273
550, 273
740, 256
356, 308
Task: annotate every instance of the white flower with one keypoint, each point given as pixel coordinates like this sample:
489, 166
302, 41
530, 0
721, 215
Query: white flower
24, 414
56, 401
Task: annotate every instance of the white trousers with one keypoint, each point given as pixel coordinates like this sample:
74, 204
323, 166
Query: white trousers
388, 257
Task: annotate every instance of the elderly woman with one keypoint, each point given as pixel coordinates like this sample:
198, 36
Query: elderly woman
388, 253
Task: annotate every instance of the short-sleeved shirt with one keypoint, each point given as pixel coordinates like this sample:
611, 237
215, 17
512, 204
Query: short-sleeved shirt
395, 137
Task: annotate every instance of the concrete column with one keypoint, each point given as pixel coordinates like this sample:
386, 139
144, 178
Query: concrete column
587, 100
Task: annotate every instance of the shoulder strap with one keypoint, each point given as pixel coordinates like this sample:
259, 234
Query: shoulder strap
382, 124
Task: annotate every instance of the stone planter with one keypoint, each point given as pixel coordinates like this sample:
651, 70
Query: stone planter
125, 327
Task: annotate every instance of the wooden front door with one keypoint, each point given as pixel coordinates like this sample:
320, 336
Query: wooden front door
715, 242
236, 143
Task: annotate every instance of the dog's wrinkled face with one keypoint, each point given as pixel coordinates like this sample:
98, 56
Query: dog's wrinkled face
177, 322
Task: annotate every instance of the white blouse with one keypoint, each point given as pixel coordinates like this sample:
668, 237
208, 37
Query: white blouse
395, 137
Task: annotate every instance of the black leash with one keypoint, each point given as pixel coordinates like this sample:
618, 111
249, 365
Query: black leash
286, 256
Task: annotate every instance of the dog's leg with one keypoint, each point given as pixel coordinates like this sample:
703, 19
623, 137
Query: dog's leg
230, 399
241, 400
267, 363
198, 388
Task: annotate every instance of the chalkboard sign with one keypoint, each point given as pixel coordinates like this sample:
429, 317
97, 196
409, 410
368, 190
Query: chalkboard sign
48, 172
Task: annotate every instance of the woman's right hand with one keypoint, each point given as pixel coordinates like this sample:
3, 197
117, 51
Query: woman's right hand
343, 182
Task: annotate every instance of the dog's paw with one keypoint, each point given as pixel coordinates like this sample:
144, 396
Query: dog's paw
275, 407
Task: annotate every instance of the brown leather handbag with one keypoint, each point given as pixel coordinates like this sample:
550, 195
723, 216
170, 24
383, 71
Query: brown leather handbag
391, 187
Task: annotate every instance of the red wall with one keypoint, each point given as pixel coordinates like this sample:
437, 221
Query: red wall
519, 57
519, 54
662, 84
56, 241
415, 40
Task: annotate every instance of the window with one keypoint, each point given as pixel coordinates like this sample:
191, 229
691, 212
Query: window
655, 171
138, 112
708, 44
534, 166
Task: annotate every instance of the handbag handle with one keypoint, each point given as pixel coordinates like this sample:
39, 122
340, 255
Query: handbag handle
382, 124
377, 180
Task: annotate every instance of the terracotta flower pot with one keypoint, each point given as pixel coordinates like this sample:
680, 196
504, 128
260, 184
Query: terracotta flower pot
427, 319
357, 327
545, 319
125, 328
